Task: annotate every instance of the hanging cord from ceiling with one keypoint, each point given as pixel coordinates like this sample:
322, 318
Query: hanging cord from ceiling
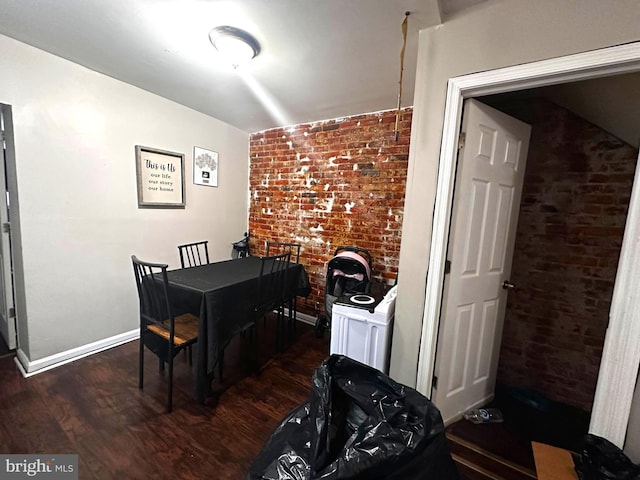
404, 46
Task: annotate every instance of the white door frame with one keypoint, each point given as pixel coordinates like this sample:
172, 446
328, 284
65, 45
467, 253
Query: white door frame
6, 282
621, 354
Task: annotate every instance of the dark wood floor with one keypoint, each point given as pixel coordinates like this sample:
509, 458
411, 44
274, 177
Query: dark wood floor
504, 449
93, 407
490, 451
4, 349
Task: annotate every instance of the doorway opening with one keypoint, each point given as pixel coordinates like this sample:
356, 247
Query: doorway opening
8, 327
572, 216
616, 378
571, 225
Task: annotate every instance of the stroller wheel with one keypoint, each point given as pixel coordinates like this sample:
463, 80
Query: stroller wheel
320, 326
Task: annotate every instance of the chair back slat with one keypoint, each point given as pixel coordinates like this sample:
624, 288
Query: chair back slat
278, 248
194, 254
271, 283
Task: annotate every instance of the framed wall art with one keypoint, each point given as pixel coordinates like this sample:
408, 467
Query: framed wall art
160, 177
205, 167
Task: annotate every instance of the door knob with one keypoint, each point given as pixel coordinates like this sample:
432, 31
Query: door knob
507, 285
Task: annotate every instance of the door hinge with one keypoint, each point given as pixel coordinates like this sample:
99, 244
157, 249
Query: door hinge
12, 312
6, 227
462, 138
434, 384
447, 267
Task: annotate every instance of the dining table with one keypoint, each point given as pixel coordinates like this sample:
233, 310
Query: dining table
222, 295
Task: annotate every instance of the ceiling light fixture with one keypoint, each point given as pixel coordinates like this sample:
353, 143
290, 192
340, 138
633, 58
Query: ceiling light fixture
237, 46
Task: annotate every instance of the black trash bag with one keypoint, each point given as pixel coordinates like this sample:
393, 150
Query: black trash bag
357, 424
602, 460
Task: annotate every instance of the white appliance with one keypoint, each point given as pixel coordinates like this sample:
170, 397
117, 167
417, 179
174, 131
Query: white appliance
361, 328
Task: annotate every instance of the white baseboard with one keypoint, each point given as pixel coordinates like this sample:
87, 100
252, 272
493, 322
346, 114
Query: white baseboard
306, 318
29, 368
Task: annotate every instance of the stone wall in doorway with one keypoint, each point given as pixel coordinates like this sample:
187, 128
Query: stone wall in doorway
331, 183
574, 206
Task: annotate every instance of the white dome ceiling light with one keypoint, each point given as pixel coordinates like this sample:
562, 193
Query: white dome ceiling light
236, 46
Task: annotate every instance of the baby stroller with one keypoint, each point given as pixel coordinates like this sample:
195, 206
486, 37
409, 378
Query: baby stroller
349, 271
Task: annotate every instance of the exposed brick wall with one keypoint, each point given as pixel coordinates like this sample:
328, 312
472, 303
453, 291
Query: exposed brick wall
576, 193
331, 183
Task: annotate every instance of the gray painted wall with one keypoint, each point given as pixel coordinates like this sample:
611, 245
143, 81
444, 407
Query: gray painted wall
496, 34
75, 134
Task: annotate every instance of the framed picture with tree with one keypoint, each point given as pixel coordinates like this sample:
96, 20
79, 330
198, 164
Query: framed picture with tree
205, 167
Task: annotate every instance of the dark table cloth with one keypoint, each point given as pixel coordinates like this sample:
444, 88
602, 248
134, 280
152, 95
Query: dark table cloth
222, 295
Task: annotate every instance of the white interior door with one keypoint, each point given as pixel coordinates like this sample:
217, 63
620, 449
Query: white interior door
486, 204
7, 310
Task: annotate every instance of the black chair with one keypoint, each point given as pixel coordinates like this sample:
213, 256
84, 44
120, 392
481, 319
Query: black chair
194, 254
271, 291
275, 248
160, 331
278, 248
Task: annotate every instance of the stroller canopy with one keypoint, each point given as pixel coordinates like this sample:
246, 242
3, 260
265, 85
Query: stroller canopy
349, 271
351, 265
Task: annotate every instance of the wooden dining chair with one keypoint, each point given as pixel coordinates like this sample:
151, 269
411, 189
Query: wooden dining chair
291, 302
160, 331
194, 254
